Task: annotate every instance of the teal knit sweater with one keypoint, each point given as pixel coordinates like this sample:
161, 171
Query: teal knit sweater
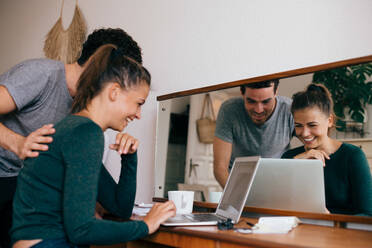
57, 191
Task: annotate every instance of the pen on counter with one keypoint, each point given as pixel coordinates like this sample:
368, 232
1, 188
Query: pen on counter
250, 224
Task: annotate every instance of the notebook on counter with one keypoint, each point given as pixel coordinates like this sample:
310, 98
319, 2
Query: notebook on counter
233, 198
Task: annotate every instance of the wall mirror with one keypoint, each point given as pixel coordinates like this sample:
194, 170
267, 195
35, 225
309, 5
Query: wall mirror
182, 162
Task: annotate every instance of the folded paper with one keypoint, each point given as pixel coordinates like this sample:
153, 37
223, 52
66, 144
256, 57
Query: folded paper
275, 224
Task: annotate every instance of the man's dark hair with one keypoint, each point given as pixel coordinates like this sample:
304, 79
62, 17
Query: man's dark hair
260, 85
117, 37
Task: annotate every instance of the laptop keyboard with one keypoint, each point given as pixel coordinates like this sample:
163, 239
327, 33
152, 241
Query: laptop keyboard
202, 217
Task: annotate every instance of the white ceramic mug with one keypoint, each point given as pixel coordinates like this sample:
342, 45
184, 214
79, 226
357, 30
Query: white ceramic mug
215, 196
183, 200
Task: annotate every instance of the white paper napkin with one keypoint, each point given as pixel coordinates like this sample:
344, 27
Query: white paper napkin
142, 209
280, 224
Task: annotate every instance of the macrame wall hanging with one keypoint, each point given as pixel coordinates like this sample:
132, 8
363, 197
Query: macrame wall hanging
65, 45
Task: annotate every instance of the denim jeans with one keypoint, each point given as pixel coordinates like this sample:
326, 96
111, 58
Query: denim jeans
8, 187
54, 243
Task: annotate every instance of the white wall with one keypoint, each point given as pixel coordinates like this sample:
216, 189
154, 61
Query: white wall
191, 43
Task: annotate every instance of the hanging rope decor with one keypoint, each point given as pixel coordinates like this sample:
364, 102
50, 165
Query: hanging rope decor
65, 45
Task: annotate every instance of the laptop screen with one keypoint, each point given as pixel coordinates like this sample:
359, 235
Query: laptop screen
237, 187
289, 184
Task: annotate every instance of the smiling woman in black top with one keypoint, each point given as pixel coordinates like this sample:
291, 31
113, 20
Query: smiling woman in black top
347, 176
56, 193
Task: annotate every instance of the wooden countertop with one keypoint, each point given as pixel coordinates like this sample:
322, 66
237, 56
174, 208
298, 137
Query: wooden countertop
338, 219
304, 235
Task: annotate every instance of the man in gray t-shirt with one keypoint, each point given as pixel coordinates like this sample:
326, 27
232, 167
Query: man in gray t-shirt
34, 95
258, 124
39, 90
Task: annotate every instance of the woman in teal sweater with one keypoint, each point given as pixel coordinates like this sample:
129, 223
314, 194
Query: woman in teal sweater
347, 176
57, 192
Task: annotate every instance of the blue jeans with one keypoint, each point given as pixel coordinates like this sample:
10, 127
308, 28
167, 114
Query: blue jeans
54, 243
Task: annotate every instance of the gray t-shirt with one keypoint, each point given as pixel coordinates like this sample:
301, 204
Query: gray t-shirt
269, 140
40, 93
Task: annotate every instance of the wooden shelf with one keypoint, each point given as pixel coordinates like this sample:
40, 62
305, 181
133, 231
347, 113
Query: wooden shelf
338, 219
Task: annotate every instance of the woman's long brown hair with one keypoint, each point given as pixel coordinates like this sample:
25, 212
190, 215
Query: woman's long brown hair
107, 64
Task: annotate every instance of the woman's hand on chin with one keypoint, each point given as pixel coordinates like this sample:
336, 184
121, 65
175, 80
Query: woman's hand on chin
125, 144
313, 154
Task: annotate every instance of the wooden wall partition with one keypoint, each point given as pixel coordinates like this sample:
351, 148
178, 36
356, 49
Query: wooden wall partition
278, 75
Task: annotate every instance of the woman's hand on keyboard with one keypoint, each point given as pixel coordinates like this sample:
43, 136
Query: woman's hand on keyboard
159, 213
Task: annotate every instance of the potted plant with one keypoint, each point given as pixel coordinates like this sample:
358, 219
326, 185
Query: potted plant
351, 89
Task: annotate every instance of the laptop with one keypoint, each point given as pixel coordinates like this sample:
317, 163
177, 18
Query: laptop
289, 184
233, 198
